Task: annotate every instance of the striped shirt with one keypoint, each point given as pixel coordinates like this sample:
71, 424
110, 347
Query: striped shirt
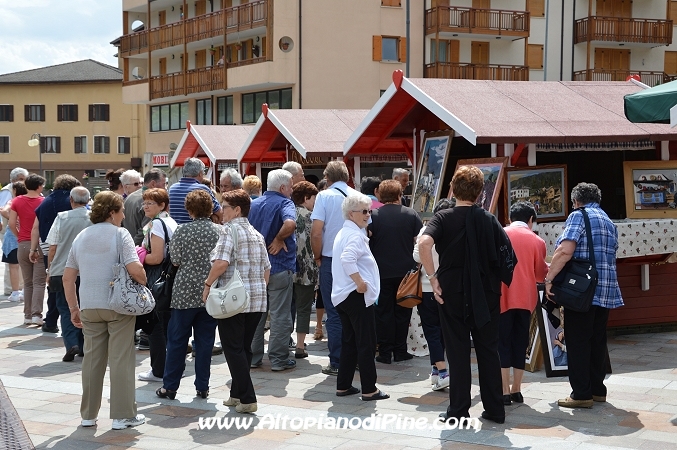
605, 244
177, 199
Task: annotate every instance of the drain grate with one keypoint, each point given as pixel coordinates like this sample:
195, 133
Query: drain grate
13, 435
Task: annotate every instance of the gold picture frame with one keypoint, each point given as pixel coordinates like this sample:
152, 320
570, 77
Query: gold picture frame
494, 173
650, 189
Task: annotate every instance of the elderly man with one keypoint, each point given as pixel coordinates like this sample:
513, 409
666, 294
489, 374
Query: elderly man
296, 171
193, 171
230, 180
274, 216
328, 220
67, 225
17, 174
402, 176
135, 218
131, 182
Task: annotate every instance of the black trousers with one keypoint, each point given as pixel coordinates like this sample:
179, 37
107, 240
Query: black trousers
236, 334
157, 341
392, 320
585, 335
456, 334
357, 343
513, 337
52, 315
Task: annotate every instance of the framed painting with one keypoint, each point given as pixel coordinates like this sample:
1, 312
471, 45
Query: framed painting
551, 332
650, 188
533, 358
544, 186
493, 170
431, 172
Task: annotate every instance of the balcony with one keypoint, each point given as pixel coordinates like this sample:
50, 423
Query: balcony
463, 71
494, 22
653, 32
205, 26
646, 77
205, 79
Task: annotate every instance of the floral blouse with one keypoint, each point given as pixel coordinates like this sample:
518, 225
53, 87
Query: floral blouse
189, 249
306, 269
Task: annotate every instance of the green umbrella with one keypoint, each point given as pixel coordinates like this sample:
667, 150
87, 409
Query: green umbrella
651, 105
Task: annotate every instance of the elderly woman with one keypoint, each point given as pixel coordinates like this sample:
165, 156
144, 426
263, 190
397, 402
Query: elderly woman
393, 231
21, 218
10, 246
114, 183
354, 291
189, 249
303, 194
252, 186
475, 256
586, 331
109, 336
156, 234
253, 264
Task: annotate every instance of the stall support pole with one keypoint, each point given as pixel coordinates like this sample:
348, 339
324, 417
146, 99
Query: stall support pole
508, 150
531, 157
494, 150
644, 268
258, 170
357, 176
665, 150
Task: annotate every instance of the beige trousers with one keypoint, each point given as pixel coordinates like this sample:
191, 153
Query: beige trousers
109, 340
35, 280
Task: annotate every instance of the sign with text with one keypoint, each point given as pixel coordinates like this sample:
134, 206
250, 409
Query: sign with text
161, 160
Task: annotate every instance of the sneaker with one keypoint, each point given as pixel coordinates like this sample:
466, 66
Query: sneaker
292, 345
434, 375
289, 364
143, 344
28, 321
256, 365
217, 349
37, 320
89, 422
148, 376
231, 401
442, 382
121, 424
330, 370
15, 297
246, 408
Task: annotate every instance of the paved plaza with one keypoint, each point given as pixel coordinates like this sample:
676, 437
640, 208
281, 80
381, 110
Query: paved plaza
641, 411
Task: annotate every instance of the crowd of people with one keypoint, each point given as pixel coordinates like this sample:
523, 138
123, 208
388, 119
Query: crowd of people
295, 244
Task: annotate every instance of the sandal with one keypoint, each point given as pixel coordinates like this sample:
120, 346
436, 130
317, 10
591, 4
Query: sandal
318, 335
350, 391
380, 395
165, 393
202, 394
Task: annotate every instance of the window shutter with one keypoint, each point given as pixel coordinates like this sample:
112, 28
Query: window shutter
248, 46
75, 113
42, 113
126, 142
27, 113
76, 147
454, 50
377, 42
402, 53
264, 47
43, 144
106, 113
535, 56
91, 113
59, 113
58, 144
11, 113
106, 143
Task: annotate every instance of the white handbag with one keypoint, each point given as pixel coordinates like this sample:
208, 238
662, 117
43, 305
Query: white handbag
231, 299
126, 296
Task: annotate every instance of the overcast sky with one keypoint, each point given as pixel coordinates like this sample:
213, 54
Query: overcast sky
39, 33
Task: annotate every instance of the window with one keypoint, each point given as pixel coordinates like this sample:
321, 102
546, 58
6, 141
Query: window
251, 103
99, 113
49, 177
169, 117
124, 145
389, 48
50, 144
67, 113
101, 144
204, 111
34, 113
6, 113
4, 144
80, 144
224, 110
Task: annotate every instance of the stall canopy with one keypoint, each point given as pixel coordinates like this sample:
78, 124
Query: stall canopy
488, 112
651, 105
213, 144
311, 132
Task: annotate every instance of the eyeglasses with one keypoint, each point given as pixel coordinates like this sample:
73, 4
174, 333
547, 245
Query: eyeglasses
148, 204
364, 211
133, 184
229, 206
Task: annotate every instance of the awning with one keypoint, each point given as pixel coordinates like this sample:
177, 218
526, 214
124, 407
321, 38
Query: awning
213, 144
651, 105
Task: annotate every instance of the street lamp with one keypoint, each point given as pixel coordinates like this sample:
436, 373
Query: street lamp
34, 141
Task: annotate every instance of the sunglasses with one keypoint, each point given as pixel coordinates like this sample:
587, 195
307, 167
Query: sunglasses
133, 184
364, 211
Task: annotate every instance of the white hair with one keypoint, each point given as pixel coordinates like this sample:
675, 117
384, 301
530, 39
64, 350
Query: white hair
193, 167
292, 167
16, 173
234, 177
398, 172
80, 195
355, 202
130, 176
278, 178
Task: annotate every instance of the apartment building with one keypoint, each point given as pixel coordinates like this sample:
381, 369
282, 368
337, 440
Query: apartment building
216, 62
76, 112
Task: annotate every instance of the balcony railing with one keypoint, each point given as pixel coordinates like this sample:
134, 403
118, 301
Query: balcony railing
167, 85
478, 21
646, 77
246, 62
463, 71
618, 29
217, 23
205, 79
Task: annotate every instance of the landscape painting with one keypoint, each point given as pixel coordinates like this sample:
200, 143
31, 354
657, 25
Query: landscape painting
431, 173
544, 186
493, 169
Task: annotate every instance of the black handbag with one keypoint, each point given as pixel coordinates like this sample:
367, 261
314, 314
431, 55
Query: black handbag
574, 287
162, 286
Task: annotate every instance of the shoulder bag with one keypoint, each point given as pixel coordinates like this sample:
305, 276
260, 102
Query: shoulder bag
231, 299
410, 292
162, 286
126, 296
574, 287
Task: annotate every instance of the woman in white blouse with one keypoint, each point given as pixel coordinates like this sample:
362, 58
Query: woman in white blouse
354, 291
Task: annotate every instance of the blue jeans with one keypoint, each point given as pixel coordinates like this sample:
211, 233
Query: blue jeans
334, 333
280, 289
70, 334
181, 323
430, 322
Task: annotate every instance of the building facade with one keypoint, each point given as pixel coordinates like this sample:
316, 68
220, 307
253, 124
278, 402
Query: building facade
78, 113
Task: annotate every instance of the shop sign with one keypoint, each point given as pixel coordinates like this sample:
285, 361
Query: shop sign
161, 160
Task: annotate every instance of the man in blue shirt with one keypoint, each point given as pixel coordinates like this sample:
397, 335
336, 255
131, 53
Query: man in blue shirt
193, 171
274, 216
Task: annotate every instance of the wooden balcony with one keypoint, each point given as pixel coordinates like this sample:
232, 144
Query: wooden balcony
217, 23
463, 71
646, 77
477, 21
167, 85
205, 79
617, 29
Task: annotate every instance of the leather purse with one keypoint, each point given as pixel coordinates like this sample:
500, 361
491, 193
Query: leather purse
574, 287
410, 292
231, 299
126, 296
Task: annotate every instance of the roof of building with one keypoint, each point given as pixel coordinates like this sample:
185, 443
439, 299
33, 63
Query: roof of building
487, 112
216, 143
83, 71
